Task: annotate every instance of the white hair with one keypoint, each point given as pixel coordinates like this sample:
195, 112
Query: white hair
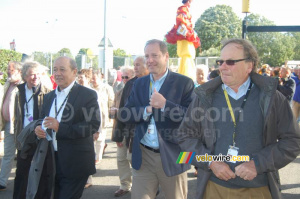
204, 68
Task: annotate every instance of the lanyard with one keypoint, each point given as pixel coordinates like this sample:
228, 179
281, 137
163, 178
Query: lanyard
231, 111
57, 112
150, 89
26, 102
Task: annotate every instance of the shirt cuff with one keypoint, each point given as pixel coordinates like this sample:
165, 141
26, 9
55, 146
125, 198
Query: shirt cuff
146, 115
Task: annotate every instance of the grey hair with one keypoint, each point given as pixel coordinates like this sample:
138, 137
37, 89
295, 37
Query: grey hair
250, 51
141, 57
128, 69
31, 65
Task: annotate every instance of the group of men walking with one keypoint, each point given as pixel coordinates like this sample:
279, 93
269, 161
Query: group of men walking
160, 115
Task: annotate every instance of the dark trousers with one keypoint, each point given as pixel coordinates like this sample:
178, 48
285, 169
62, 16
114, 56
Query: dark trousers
67, 188
21, 179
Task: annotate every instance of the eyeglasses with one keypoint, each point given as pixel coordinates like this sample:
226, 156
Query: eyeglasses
229, 62
125, 77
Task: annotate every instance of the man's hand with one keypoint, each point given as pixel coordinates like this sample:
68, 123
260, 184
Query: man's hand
40, 133
157, 100
51, 123
222, 170
246, 170
119, 144
149, 109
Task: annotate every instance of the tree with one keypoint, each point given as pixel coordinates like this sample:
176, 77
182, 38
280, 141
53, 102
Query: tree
88, 59
296, 37
119, 58
273, 47
62, 52
5, 57
215, 24
172, 49
42, 58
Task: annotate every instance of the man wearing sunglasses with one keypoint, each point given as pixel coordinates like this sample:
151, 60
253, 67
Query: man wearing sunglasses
240, 113
123, 133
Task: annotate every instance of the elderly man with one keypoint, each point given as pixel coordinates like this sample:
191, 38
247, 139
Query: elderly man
287, 85
7, 120
157, 105
71, 117
28, 107
123, 133
240, 113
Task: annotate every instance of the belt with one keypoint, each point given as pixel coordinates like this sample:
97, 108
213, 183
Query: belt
151, 149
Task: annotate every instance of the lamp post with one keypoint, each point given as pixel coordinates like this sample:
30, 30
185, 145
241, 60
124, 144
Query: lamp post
105, 72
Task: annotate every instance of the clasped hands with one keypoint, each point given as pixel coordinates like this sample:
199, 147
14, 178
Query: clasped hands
50, 123
157, 100
246, 170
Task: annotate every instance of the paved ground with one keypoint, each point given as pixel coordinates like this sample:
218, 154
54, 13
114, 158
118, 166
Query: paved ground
106, 181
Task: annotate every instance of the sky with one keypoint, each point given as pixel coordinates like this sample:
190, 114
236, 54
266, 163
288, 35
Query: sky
50, 25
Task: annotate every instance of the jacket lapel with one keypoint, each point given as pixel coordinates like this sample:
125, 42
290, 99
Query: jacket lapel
166, 85
69, 108
51, 99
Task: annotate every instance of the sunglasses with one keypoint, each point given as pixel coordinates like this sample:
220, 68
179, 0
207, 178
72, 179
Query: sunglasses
229, 62
125, 77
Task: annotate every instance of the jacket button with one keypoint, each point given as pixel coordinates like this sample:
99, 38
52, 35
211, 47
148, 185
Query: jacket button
41, 151
36, 169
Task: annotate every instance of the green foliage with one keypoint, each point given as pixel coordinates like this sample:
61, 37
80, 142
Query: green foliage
212, 52
42, 58
119, 58
120, 52
273, 48
62, 52
172, 49
216, 24
89, 60
296, 37
5, 57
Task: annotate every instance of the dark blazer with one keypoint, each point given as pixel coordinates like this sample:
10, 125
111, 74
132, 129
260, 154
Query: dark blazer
80, 120
121, 129
178, 91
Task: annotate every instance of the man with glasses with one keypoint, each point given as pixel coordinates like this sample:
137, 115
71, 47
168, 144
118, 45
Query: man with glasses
123, 133
240, 113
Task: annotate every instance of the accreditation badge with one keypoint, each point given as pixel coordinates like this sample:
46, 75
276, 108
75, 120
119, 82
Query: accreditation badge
150, 129
232, 151
29, 117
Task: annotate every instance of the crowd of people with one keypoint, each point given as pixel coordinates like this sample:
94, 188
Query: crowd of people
155, 114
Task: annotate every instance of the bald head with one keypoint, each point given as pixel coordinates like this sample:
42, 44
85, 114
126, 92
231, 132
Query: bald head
140, 67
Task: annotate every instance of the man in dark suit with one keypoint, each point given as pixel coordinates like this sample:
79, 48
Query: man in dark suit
157, 105
72, 113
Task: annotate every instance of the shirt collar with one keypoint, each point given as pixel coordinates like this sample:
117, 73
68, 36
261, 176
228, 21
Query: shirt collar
66, 90
27, 89
242, 88
160, 79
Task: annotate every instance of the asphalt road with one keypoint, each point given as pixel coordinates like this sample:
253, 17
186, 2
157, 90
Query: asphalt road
106, 180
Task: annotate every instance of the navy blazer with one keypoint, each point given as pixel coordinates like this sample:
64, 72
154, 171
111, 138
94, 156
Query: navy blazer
178, 91
80, 119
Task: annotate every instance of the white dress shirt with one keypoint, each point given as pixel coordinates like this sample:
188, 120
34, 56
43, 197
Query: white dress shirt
60, 97
27, 115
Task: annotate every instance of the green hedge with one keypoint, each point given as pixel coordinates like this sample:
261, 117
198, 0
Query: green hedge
5, 57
